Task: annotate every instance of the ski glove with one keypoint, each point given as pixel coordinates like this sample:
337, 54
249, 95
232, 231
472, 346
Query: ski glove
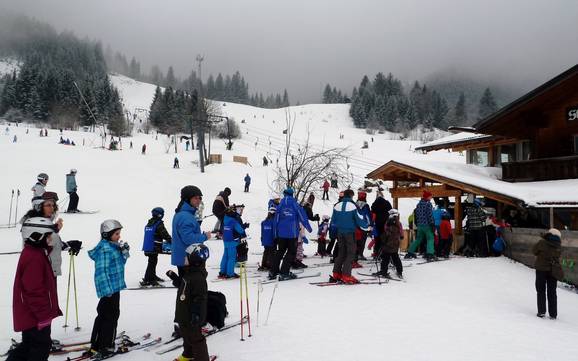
74, 247
246, 225
305, 240
124, 249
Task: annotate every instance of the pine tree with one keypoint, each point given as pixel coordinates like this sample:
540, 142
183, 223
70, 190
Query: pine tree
460, 113
285, 98
171, 80
327, 95
487, 105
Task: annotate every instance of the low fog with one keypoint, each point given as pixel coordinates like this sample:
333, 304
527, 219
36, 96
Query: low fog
303, 44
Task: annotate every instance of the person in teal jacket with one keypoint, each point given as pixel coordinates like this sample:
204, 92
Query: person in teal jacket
71, 189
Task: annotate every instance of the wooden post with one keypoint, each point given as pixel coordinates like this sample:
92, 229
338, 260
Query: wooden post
458, 222
395, 199
551, 217
491, 158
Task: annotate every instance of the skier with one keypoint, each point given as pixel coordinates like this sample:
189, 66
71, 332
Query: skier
35, 295
346, 217
233, 233
176, 163
361, 235
438, 211
71, 188
220, 205
548, 271
268, 240
144, 149
445, 236
109, 256
187, 145
476, 244
392, 234
247, 180
325, 190
40, 187
322, 233
47, 207
189, 254
380, 209
130, 144
425, 224
307, 210
265, 161
155, 233
287, 220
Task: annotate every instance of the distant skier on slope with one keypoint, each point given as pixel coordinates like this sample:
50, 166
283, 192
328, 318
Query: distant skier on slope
40, 187
71, 188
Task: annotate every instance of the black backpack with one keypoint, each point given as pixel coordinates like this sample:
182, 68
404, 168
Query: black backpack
216, 309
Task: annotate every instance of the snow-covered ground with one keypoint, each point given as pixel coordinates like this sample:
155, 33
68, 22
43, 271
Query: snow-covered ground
480, 309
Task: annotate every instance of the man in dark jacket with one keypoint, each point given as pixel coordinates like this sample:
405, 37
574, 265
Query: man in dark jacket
548, 271
247, 180
155, 234
380, 210
476, 241
220, 206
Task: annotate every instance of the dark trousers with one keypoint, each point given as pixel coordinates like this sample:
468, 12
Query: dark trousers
394, 257
104, 329
546, 284
286, 251
151, 272
444, 246
330, 245
194, 343
325, 195
377, 246
246, 187
268, 257
360, 246
321, 247
35, 346
347, 247
73, 202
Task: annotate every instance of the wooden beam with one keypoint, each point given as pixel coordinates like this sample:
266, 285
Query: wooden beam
458, 215
417, 192
395, 199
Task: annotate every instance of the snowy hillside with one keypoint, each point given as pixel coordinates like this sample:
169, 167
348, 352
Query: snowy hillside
463, 309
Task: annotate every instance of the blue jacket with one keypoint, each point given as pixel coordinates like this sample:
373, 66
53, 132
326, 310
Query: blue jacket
437, 215
247, 179
233, 231
287, 218
365, 211
109, 264
70, 183
424, 213
186, 231
268, 232
346, 217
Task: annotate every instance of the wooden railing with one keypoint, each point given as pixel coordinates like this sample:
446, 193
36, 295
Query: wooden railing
540, 169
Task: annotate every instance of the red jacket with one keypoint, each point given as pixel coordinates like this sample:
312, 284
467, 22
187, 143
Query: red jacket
326, 185
445, 229
35, 300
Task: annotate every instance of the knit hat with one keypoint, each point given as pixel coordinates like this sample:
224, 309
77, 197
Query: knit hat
189, 192
427, 195
553, 235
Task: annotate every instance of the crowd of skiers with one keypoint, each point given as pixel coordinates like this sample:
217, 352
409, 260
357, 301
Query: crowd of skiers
342, 236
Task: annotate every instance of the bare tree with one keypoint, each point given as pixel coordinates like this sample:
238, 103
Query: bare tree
306, 166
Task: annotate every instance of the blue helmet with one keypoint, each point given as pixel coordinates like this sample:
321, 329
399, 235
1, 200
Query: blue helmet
158, 212
198, 253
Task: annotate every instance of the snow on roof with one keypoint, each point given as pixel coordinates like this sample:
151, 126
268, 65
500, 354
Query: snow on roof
454, 138
557, 193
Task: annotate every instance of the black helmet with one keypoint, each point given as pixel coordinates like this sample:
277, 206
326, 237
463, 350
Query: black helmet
158, 212
42, 177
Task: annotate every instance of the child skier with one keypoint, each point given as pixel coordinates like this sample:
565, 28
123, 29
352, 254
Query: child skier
392, 234
322, 232
155, 233
233, 232
268, 240
445, 236
109, 257
35, 299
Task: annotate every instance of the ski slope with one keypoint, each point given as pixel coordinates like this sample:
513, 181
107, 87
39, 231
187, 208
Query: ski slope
474, 309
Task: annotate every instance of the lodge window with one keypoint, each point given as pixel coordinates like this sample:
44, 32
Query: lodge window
478, 157
506, 153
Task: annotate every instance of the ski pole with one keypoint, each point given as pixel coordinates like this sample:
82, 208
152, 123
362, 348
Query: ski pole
259, 290
247, 299
68, 292
10, 214
271, 302
75, 293
241, 266
17, 201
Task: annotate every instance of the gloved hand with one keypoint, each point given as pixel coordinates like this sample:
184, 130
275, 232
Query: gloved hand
246, 225
74, 247
124, 249
371, 244
243, 240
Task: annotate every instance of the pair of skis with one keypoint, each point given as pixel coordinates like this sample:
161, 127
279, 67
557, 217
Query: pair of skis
125, 345
299, 276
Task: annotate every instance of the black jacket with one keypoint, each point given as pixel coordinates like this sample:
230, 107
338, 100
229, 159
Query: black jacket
220, 205
161, 234
380, 208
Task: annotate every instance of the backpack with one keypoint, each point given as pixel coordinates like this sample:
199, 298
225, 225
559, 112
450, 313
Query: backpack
149, 237
216, 309
242, 252
499, 245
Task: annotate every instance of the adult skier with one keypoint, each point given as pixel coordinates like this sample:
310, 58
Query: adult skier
548, 271
247, 180
220, 205
425, 227
287, 220
35, 295
233, 234
40, 187
155, 233
109, 256
476, 234
380, 209
189, 255
71, 188
346, 218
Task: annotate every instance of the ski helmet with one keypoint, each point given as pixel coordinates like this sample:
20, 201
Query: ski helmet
393, 212
36, 229
288, 192
42, 177
73, 171
108, 227
325, 217
158, 212
197, 253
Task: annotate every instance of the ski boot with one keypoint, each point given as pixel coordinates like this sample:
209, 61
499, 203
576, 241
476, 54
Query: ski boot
349, 280
409, 255
234, 275
288, 276
335, 277
430, 257
158, 279
272, 276
380, 274
222, 276
541, 315
145, 283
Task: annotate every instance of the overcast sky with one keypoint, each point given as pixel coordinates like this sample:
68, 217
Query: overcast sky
303, 44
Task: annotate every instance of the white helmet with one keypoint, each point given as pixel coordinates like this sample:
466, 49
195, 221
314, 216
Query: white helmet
325, 217
393, 212
36, 228
73, 171
108, 226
